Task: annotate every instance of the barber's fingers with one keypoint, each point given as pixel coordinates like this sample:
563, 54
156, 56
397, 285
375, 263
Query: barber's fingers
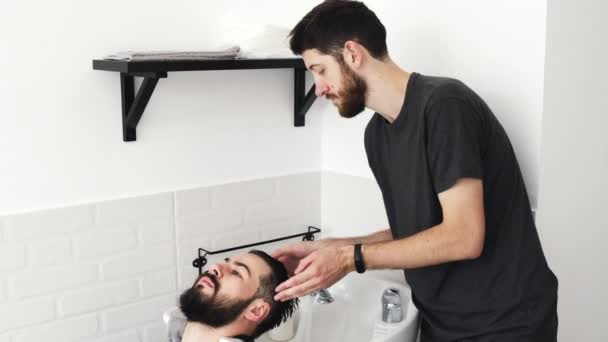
296, 250
296, 286
304, 263
296, 280
279, 253
290, 263
284, 258
299, 291
287, 251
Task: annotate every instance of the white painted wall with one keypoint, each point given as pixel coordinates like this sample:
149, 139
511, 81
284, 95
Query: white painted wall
574, 165
497, 48
60, 121
60, 125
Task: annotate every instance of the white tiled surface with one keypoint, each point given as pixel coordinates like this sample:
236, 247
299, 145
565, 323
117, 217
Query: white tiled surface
352, 205
69, 330
105, 272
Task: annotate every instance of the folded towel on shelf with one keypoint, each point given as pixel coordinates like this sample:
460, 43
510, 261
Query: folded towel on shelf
229, 53
264, 41
267, 53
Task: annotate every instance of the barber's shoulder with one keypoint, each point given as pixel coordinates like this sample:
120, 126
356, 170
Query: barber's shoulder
445, 88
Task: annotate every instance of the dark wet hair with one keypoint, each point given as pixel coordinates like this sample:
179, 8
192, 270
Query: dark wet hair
279, 311
329, 25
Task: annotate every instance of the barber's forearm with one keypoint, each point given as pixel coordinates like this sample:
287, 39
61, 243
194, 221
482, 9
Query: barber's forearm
379, 236
433, 246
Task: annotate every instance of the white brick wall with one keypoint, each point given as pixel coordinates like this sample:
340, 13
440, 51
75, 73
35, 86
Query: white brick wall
139, 261
50, 253
2, 234
278, 210
48, 223
71, 330
98, 297
159, 283
139, 209
34, 282
25, 313
156, 232
155, 333
105, 272
352, 205
209, 223
106, 242
192, 202
2, 290
243, 193
12, 257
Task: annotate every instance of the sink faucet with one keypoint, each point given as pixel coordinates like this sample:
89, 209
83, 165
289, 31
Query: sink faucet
391, 306
322, 296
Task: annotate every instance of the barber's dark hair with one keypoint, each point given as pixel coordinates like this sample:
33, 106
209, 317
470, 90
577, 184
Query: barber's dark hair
279, 311
332, 23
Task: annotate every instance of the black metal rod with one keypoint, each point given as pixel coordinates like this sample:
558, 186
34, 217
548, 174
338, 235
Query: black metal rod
202, 257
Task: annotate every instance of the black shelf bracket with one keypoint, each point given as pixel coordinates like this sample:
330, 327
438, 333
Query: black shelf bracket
133, 105
201, 261
302, 99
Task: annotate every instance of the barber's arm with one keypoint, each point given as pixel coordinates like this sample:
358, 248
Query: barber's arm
290, 255
379, 236
459, 237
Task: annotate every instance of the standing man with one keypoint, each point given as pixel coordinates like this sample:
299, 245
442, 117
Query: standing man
461, 225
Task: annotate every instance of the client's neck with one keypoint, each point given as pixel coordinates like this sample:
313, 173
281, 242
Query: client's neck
197, 332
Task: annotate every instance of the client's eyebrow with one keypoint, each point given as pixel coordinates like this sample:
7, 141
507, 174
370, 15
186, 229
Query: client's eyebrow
238, 263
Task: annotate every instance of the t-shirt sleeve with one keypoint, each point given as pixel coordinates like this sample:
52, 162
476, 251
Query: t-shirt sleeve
453, 143
369, 148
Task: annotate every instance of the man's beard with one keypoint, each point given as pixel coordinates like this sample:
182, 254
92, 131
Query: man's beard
351, 99
211, 310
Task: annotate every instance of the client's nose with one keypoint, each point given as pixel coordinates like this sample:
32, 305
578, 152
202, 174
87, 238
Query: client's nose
216, 271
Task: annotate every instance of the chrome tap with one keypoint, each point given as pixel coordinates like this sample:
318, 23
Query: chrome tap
391, 306
322, 296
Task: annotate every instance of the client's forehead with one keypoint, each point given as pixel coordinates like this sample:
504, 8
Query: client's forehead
256, 265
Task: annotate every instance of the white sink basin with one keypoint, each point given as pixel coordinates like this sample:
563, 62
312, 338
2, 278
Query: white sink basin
356, 313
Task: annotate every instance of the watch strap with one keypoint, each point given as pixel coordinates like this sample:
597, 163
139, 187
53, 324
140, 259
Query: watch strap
359, 264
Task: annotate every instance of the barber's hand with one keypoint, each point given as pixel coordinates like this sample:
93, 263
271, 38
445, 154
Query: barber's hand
290, 255
320, 269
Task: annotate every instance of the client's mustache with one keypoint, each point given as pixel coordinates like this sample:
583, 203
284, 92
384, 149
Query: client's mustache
212, 277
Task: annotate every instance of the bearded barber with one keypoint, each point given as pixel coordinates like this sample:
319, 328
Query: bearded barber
461, 224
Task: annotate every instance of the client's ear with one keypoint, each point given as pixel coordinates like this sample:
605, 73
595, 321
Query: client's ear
257, 311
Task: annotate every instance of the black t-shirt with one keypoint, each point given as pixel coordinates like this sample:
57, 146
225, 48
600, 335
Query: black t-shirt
445, 132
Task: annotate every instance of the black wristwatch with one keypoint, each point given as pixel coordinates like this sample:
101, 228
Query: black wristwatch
359, 264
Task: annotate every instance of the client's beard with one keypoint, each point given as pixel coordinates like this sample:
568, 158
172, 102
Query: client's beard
211, 310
